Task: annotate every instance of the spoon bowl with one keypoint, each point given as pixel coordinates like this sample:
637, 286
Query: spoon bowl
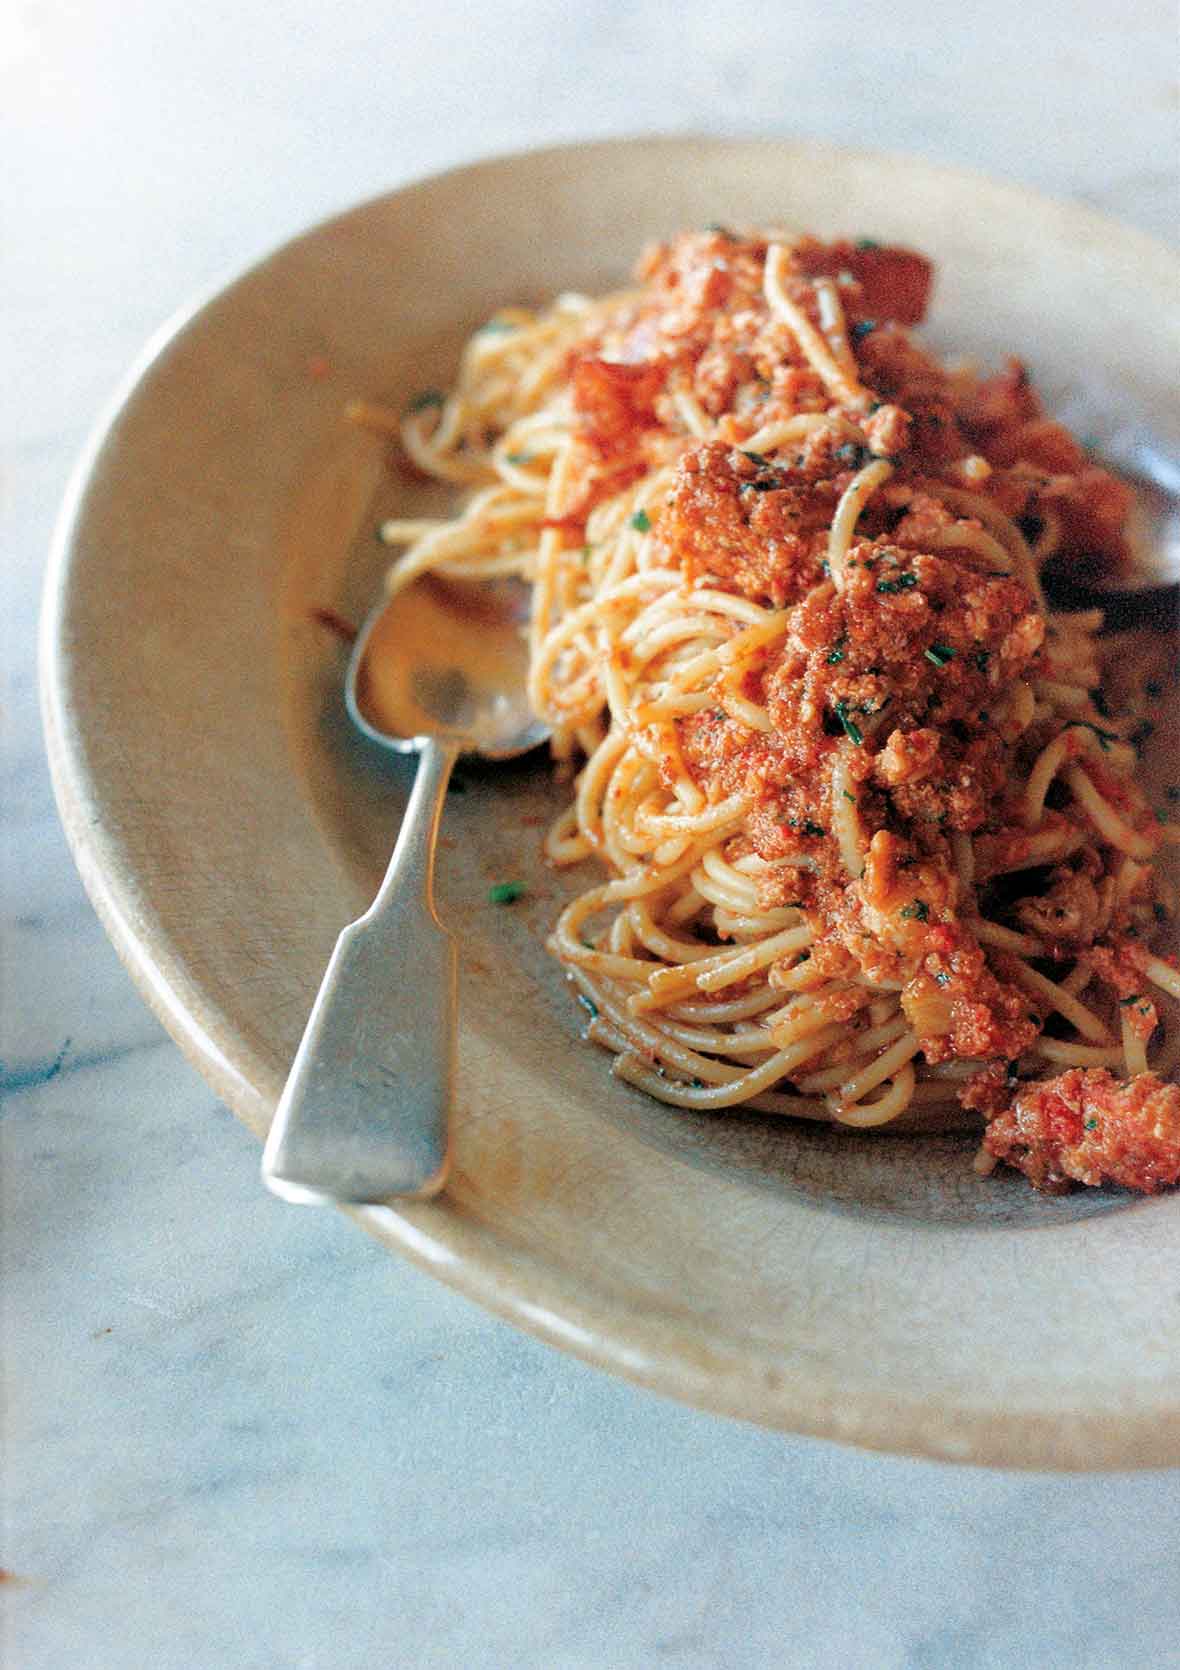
439, 669
446, 659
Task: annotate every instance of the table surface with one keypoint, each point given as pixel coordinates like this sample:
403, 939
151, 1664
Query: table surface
238, 1433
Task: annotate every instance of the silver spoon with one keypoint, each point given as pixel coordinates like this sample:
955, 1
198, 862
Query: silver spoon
1144, 592
440, 670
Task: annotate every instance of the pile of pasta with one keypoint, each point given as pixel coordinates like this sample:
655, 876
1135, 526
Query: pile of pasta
870, 843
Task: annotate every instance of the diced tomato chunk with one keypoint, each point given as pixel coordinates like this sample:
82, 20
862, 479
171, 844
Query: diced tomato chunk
897, 282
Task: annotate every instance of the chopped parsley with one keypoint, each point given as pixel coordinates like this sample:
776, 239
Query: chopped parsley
757, 458
519, 457
496, 327
1091, 1124
867, 243
641, 522
506, 892
720, 231
941, 979
590, 1007
587, 552
836, 655
816, 829
851, 454
904, 582
1105, 738
863, 328
851, 729
848, 796
919, 911
1126, 1002
982, 657
427, 397
940, 654
1141, 733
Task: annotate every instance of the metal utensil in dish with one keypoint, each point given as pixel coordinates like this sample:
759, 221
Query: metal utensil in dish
439, 669
1145, 591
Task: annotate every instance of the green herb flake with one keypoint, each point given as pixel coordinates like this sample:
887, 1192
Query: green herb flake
425, 398
939, 654
587, 552
519, 457
904, 582
848, 796
867, 243
863, 328
1172, 793
981, 658
1126, 1002
851, 454
1141, 733
836, 655
506, 892
1091, 1124
496, 327
590, 1007
919, 911
641, 522
757, 458
941, 979
851, 729
815, 829
1105, 738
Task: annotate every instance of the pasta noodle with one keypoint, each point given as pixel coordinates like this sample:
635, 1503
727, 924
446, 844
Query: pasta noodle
874, 846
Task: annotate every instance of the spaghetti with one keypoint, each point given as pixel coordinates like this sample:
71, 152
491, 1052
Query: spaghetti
874, 847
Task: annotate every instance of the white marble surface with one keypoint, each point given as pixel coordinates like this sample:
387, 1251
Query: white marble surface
237, 1434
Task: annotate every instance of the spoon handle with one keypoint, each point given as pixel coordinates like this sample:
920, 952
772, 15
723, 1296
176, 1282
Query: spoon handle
363, 1116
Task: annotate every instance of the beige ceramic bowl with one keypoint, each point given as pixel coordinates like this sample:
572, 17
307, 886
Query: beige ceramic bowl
227, 825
